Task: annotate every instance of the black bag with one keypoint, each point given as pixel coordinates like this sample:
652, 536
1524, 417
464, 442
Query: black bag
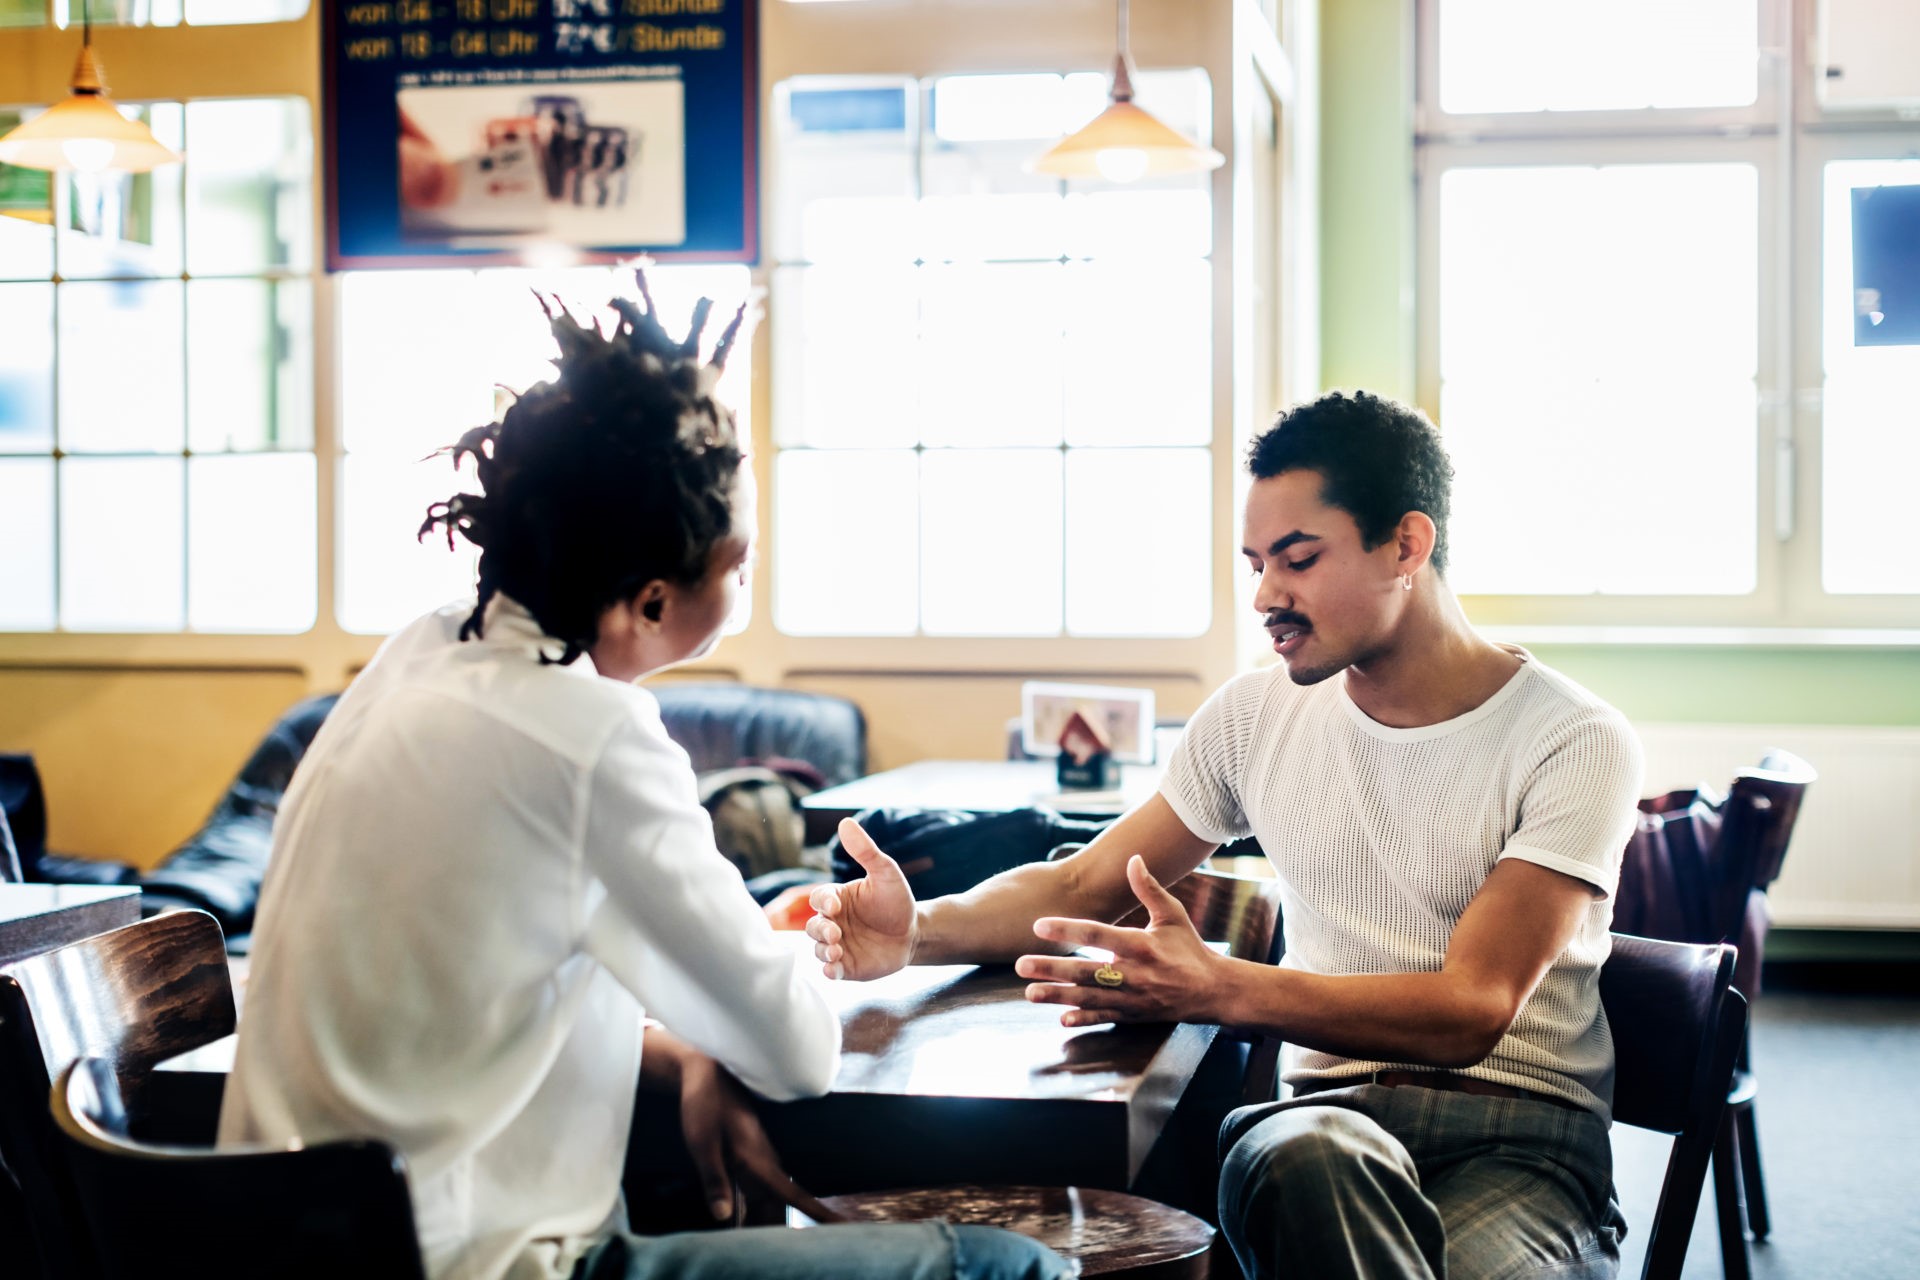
944, 851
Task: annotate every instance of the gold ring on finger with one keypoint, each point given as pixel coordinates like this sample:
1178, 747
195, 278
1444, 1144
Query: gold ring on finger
1108, 976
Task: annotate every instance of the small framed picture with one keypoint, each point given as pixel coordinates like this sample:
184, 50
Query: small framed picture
1123, 717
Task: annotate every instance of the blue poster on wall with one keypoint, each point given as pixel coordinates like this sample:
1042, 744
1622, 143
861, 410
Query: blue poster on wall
1886, 266
477, 132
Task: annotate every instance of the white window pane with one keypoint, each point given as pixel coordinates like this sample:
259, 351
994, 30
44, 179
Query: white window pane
1139, 542
414, 378
1870, 426
1139, 353
26, 366
995, 108
26, 544
1132, 222
207, 13
845, 351
990, 524
251, 543
1563, 371
121, 359
991, 355
387, 577
843, 168
249, 365
122, 224
986, 226
121, 544
847, 553
249, 177
1665, 272
1554, 493
1596, 55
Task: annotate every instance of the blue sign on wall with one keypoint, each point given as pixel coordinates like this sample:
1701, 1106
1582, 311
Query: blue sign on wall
474, 132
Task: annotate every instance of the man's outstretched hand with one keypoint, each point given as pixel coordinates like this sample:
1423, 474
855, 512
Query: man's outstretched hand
865, 928
1166, 973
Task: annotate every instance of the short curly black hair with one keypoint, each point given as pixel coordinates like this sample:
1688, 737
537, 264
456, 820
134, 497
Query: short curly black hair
619, 471
1378, 459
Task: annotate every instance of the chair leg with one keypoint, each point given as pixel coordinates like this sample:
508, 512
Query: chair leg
1752, 1184
1726, 1199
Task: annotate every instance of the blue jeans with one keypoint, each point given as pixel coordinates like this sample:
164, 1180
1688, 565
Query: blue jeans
1375, 1181
849, 1251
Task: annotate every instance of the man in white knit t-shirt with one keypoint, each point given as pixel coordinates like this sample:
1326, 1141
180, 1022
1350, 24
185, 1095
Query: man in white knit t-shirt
1446, 817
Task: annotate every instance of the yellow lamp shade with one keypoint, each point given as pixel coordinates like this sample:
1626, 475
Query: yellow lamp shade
1123, 143
85, 132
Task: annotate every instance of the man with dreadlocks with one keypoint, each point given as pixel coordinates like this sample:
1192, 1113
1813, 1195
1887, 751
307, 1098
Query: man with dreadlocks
492, 860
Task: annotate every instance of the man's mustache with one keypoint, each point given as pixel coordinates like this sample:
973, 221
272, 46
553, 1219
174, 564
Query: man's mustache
1284, 618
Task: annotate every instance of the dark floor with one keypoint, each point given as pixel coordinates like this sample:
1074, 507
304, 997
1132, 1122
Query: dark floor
1839, 1117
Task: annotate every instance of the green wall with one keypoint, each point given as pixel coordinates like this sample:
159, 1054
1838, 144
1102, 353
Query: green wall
1367, 340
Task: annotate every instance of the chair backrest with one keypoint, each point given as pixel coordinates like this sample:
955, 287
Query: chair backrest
9, 856
130, 997
1241, 911
1244, 913
1759, 814
330, 1210
1677, 1026
720, 725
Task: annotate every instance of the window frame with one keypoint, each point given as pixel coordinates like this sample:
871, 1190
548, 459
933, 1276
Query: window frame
919, 113
1789, 135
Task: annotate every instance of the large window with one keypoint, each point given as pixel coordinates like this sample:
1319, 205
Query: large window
426, 355
156, 383
992, 389
1637, 315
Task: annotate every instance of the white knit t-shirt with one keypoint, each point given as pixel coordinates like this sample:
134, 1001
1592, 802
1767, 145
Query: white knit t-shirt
1381, 837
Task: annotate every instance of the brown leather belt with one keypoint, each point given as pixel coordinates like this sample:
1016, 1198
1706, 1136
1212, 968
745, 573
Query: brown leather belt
1444, 1080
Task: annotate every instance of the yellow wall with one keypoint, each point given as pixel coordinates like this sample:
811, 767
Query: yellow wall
138, 735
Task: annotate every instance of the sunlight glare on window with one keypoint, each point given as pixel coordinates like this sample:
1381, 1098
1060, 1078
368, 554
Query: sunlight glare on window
1870, 428
1592, 319
1596, 55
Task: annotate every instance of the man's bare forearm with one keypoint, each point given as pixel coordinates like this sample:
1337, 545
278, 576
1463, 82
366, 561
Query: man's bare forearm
1432, 1019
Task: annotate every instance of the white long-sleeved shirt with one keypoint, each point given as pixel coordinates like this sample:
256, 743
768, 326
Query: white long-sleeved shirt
485, 870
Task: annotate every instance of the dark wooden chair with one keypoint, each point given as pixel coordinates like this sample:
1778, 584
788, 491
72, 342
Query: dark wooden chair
1677, 1026
1712, 860
310, 1213
1109, 1233
130, 997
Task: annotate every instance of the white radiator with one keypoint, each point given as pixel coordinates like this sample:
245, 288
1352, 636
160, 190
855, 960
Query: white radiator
1855, 857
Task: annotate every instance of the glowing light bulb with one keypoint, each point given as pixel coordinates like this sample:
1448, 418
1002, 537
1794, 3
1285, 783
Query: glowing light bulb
90, 155
1120, 164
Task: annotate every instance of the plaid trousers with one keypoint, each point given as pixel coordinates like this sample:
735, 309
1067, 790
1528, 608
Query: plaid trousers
1375, 1181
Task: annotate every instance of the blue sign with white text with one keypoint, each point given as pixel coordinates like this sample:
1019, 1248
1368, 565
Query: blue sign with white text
476, 132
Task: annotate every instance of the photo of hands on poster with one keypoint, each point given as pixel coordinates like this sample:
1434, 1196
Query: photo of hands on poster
582, 163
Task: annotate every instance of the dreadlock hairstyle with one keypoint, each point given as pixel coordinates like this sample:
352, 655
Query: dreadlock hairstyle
619, 471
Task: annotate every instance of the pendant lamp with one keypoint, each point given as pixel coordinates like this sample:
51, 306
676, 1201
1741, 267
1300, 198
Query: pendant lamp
1123, 142
87, 131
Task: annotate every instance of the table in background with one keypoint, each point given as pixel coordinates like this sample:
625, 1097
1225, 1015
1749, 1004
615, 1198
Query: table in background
39, 917
947, 1075
976, 786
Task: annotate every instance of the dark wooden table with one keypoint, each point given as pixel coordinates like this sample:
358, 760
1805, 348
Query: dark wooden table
40, 917
947, 1075
976, 786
